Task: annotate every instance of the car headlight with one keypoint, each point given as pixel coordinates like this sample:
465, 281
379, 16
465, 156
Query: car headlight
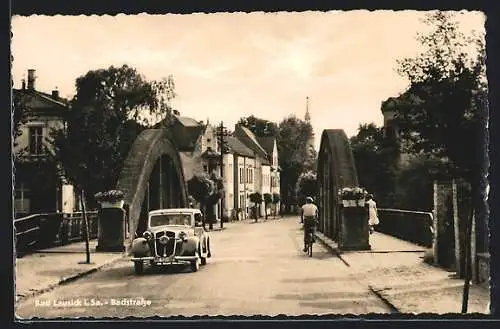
183, 236
163, 239
147, 235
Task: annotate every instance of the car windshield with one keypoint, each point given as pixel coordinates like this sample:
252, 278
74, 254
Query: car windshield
170, 219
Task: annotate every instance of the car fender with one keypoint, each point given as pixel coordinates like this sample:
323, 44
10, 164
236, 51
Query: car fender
140, 247
190, 246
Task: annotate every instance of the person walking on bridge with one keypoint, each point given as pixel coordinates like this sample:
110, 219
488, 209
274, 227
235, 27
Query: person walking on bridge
372, 212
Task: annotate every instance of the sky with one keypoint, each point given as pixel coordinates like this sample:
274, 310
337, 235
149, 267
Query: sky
231, 65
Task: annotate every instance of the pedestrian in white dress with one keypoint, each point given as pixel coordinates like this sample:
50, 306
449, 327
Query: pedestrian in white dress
372, 212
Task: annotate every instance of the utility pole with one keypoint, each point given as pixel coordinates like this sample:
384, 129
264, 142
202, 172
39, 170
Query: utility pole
220, 137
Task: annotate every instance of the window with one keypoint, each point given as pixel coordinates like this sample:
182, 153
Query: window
198, 219
170, 219
35, 140
205, 168
241, 176
251, 176
242, 201
22, 200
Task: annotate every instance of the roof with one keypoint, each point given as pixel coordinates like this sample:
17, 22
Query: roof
187, 122
238, 147
47, 98
248, 138
186, 132
267, 144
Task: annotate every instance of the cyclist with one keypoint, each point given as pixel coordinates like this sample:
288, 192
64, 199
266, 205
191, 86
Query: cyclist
309, 216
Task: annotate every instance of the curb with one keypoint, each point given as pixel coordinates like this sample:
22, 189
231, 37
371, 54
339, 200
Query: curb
334, 250
65, 280
377, 293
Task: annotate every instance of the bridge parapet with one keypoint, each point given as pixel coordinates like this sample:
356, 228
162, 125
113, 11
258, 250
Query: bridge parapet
411, 226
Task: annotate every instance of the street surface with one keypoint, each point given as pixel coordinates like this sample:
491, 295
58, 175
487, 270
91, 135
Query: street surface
255, 269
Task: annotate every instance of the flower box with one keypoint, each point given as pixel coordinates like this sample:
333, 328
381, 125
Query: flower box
112, 204
110, 199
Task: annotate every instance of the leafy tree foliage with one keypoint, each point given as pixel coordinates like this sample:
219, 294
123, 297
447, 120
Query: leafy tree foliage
207, 191
110, 108
443, 112
268, 199
307, 186
376, 157
294, 155
276, 200
260, 127
256, 199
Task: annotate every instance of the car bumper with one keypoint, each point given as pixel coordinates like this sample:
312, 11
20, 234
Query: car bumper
166, 260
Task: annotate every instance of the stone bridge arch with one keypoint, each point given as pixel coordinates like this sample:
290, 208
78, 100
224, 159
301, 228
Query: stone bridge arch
152, 177
336, 169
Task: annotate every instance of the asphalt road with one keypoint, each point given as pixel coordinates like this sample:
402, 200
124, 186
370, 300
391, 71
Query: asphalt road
255, 269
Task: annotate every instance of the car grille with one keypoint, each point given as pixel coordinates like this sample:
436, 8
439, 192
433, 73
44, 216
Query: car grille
165, 250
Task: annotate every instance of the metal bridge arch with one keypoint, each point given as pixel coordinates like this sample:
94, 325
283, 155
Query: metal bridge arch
147, 157
336, 169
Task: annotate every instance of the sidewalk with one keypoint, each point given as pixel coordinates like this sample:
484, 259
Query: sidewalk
45, 269
394, 270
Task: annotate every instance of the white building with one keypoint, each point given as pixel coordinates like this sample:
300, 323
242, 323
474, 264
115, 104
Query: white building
38, 186
243, 178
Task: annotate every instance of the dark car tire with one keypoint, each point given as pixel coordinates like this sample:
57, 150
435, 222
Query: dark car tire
194, 266
203, 260
139, 267
209, 253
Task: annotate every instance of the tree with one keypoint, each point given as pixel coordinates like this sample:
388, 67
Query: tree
256, 199
206, 191
294, 155
376, 157
307, 185
445, 109
110, 108
260, 127
441, 113
276, 200
268, 199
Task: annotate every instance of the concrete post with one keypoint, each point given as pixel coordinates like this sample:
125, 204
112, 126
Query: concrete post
111, 226
354, 229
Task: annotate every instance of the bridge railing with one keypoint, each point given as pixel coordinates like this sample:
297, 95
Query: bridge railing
411, 226
45, 230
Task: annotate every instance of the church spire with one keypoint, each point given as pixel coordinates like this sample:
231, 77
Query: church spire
308, 116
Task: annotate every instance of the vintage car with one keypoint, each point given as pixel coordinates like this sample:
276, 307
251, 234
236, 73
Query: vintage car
172, 236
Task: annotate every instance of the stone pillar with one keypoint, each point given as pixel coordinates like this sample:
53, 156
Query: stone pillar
111, 230
444, 254
354, 229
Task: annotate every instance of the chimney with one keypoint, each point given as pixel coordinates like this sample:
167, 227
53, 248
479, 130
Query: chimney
31, 79
24, 84
55, 94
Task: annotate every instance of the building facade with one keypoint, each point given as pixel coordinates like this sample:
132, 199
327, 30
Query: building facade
243, 178
39, 188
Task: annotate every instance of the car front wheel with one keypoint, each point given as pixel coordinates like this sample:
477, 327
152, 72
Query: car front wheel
195, 266
203, 260
138, 267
